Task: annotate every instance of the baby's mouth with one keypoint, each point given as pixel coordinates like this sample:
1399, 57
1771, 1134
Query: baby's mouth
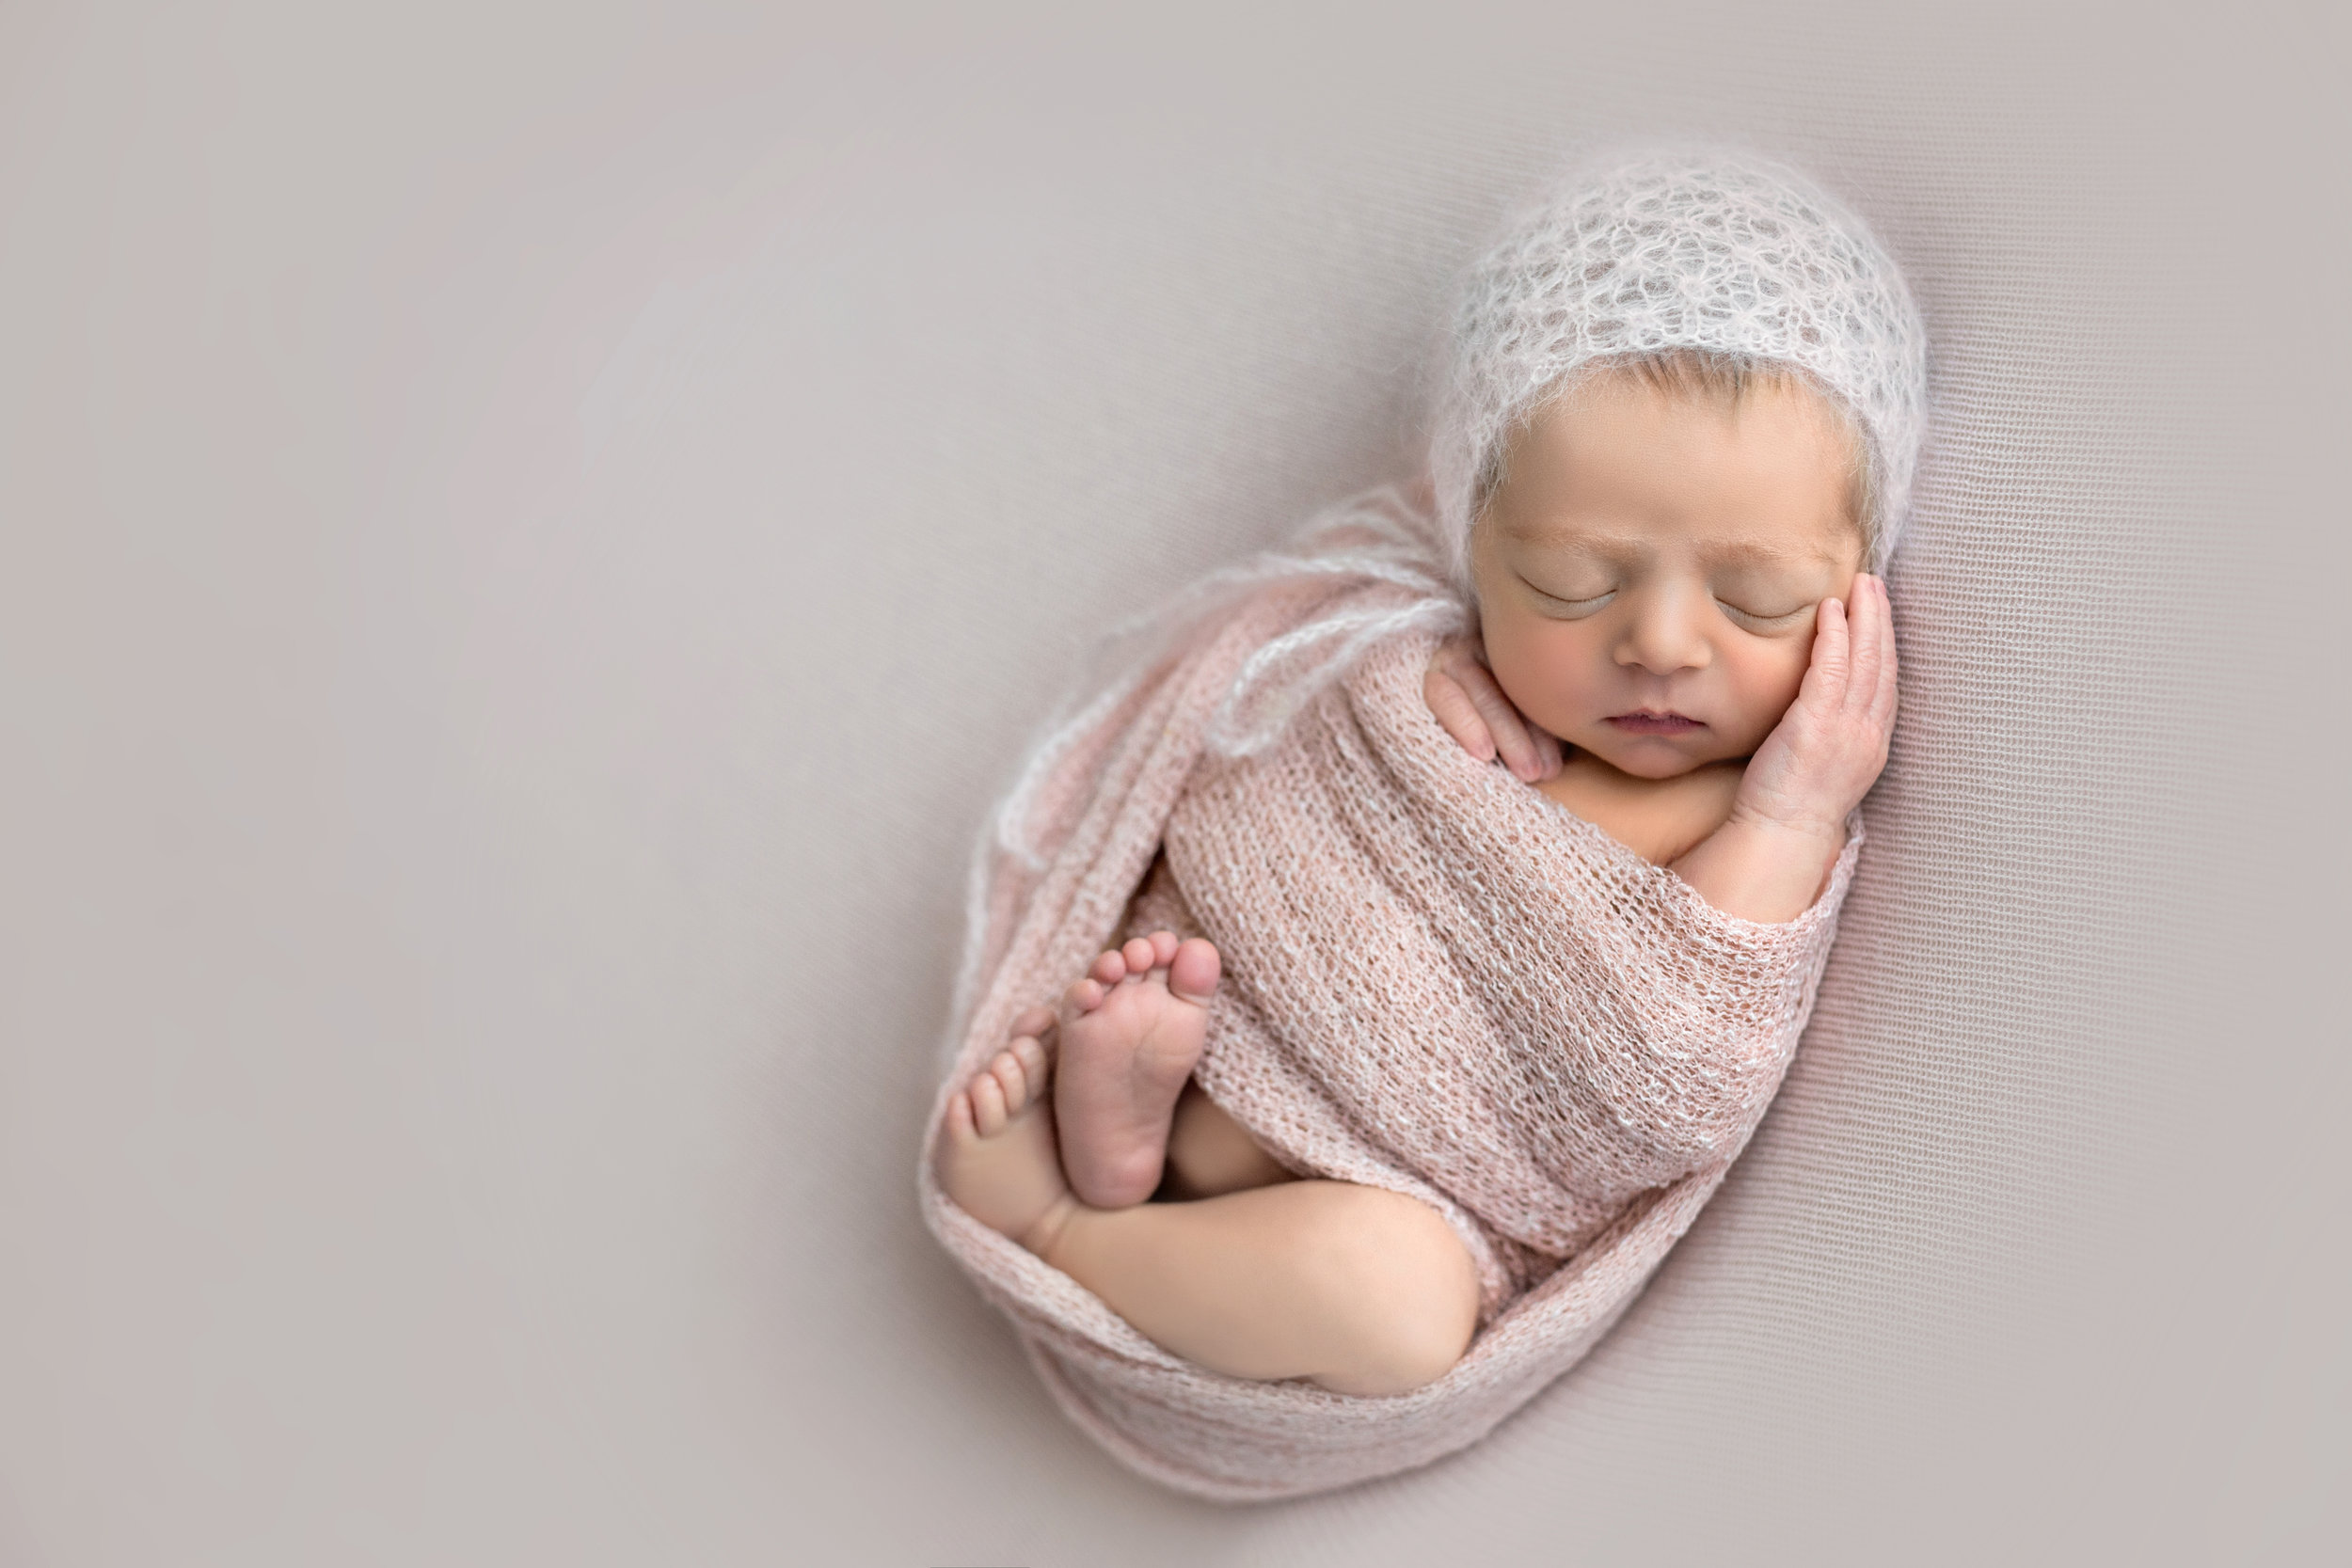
1650, 722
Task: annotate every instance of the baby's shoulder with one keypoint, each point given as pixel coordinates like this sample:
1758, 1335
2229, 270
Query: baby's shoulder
1659, 819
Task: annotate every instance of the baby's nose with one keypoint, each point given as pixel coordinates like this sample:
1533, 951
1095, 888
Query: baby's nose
1665, 634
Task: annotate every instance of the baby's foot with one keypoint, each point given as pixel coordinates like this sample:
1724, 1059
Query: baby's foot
996, 1153
1131, 1034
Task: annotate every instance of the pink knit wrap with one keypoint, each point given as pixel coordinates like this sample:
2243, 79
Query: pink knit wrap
1438, 981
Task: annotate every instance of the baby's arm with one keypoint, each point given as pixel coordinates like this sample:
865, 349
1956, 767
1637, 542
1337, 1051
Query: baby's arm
1771, 857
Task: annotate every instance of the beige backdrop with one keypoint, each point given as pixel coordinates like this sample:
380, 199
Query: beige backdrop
534, 532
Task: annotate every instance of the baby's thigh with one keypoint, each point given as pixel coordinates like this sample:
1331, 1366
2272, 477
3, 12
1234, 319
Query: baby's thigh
1399, 1288
1209, 1153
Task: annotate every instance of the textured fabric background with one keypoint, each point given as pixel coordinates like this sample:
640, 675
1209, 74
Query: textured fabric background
529, 535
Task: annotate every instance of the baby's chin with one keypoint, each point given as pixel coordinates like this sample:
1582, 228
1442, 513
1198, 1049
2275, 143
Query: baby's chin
1651, 756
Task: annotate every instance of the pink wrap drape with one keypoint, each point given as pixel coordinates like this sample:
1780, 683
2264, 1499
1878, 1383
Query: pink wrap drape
1438, 981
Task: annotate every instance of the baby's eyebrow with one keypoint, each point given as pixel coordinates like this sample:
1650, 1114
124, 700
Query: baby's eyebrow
1758, 553
1581, 539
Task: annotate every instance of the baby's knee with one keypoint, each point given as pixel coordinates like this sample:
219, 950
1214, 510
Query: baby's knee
1406, 1293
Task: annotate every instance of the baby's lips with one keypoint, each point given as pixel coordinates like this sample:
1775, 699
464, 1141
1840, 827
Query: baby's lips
1651, 722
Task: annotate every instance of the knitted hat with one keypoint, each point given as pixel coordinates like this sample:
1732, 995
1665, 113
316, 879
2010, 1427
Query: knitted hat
1713, 251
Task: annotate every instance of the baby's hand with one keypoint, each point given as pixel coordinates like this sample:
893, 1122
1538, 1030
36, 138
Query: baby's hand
1830, 745
1461, 691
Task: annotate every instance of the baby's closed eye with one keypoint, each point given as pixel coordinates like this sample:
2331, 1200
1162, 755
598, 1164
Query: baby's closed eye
1767, 596
1761, 612
1570, 601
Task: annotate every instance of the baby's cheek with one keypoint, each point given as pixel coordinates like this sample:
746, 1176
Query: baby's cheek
1515, 668
1767, 683
1546, 672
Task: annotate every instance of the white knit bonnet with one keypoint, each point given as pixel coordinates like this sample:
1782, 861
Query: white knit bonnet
1713, 251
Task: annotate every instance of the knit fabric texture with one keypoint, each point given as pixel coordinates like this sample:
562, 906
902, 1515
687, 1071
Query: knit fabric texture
1438, 982
1713, 251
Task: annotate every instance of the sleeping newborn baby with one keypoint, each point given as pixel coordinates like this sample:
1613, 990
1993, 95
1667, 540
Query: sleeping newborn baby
1638, 592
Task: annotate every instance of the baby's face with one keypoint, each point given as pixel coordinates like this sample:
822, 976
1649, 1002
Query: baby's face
1649, 569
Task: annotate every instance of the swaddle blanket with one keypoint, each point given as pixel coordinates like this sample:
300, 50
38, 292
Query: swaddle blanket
1438, 981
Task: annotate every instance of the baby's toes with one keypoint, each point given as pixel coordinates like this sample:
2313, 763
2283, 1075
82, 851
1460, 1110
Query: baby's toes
1110, 968
1139, 956
987, 1104
1012, 1076
1195, 968
960, 1117
1030, 1051
1164, 945
1085, 996
1032, 1024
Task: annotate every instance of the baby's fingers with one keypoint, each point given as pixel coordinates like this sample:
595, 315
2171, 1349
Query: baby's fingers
1872, 644
1548, 758
1457, 715
1883, 700
1825, 674
1514, 737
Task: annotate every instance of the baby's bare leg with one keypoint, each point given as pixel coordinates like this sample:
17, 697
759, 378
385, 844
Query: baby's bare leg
1210, 1154
1360, 1289
1357, 1289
